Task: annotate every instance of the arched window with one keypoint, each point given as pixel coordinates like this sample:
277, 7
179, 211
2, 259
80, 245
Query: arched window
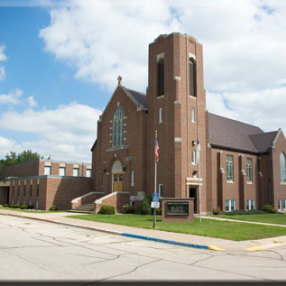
118, 127
160, 77
282, 168
192, 77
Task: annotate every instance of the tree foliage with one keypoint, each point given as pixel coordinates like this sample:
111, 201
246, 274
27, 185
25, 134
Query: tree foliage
22, 157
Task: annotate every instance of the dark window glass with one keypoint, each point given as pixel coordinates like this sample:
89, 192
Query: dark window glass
160, 78
192, 73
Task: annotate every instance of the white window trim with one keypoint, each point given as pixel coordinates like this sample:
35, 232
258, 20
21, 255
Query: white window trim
77, 172
194, 157
279, 202
132, 179
161, 115
193, 115
228, 204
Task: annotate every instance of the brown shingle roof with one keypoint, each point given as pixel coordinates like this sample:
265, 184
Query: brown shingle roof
236, 135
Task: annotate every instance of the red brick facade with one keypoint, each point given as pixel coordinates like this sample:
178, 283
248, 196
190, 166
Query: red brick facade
171, 115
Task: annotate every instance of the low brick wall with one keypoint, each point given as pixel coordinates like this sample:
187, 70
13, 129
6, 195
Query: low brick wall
116, 199
79, 201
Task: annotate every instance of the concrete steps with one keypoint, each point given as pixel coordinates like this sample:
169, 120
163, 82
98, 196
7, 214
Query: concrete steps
87, 208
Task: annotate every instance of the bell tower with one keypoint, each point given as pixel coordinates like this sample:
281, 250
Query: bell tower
177, 110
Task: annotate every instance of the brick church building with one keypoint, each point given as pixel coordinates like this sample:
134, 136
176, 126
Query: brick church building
239, 166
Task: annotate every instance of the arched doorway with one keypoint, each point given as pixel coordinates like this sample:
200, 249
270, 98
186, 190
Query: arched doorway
117, 176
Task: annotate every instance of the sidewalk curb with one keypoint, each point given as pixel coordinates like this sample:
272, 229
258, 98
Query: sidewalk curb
267, 246
150, 238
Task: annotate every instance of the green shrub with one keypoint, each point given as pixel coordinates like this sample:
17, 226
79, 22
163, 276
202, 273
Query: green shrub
128, 209
53, 208
158, 211
146, 206
244, 212
107, 210
269, 209
6, 206
15, 206
216, 211
30, 207
22, 207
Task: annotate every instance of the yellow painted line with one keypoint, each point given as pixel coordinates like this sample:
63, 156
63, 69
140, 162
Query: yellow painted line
267, 246
212, 247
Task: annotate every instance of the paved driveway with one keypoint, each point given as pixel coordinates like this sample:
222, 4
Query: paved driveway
31, 249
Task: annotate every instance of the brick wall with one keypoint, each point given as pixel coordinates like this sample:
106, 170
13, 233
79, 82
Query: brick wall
21, 170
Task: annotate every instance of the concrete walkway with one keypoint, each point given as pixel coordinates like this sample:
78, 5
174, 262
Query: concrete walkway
156, 235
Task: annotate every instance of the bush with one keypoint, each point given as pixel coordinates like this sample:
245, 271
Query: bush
146, 206
216, 211
30, 207
22, 207
53, 208
244, 212
269, 209
6, 206
129, 209
15, 206
107, 210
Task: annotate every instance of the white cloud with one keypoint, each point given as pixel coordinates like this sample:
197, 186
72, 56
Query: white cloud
13, 97
3, 57
7, 145
2, 73
31, 101
65, 133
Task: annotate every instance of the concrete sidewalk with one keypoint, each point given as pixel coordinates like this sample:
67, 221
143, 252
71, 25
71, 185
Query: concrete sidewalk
155, 235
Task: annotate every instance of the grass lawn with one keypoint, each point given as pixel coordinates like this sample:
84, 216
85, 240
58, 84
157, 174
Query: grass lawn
267, 218
220, 229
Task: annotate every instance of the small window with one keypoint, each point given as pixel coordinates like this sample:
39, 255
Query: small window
160, 190
75, 172
192, 77
38, 190
193, 115
250, 204
249, 171
279, 205
160, 77
282, 168
132, 178
193, 157
160, 115
47, 171
229, 168
229, 205
88, 173
62, 171
284, 204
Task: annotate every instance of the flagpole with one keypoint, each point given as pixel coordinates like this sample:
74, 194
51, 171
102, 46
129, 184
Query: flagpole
199, 175
155, 184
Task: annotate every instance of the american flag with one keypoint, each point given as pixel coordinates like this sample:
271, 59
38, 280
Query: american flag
156, 151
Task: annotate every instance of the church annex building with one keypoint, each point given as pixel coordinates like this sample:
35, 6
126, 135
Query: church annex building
239, 165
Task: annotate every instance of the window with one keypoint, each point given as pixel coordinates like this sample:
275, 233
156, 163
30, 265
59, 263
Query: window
193, 115
38, 190
249, 171
282, 168
229, 205
250, 204
62, 171
118, 128
193, 157
160, 77
47, 171
229, 168
75, 172
132, 178
160, 190
279, 205
192, 75
284, 204
160, 115
88, 173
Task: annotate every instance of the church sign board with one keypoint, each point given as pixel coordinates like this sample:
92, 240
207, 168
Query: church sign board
177, 209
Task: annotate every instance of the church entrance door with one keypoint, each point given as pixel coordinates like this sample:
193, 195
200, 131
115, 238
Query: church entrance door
117, 182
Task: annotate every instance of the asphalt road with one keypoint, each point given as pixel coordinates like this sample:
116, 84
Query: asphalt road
34, 250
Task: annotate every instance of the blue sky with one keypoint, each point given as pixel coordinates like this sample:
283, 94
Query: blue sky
59, 61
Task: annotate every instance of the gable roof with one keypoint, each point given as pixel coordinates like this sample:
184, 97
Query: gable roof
235, 135
138, 98
263, 141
